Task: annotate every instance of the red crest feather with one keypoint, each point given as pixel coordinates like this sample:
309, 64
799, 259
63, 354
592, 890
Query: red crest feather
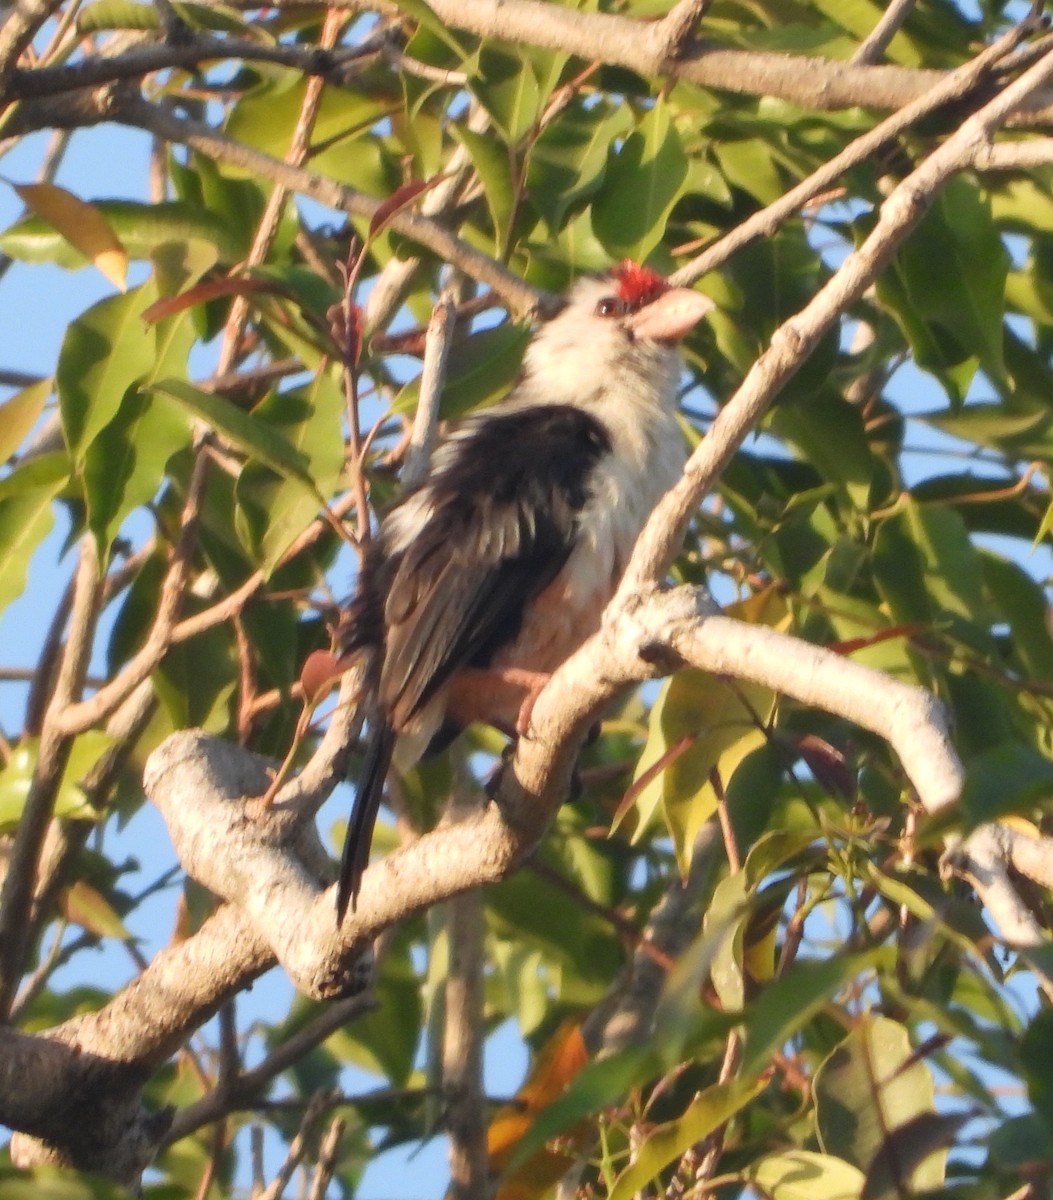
638, 285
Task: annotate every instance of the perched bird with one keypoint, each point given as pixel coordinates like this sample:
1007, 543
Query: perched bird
488, 575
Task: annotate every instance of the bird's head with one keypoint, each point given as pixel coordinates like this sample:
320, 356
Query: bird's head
619, 330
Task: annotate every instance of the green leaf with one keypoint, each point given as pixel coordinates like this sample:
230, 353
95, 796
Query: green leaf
868, 1087
274, 509
1009, 778
57, 1183
749, 164
117, 14
252, 437
1022, 603
729, 912
141, 228
597, 1086
15, 778
709, 1110
788, 1004
83, 225
721, 722
480, 370
26, 518
917, 1149
197, 680
105, 352
569, 160
105, 15
645, 178
267, 117
89, 909
428, 19
17, 774
124, 465
926, 566
40, 471
1022, 1143
830, 435
494, 168
507, 87
805, 1175
952, 316
700, 724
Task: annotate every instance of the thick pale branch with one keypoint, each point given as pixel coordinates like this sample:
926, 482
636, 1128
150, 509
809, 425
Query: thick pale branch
276, 874
269, 870
910, 719
643, 46
985, 858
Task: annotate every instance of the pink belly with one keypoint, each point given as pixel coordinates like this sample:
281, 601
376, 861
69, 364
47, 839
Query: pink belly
554, 628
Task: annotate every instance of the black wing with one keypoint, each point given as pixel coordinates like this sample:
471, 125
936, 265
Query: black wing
500, 523
503, 516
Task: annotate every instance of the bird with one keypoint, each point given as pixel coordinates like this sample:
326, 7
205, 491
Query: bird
482, 579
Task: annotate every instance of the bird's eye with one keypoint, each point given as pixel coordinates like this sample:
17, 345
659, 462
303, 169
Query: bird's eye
611, 306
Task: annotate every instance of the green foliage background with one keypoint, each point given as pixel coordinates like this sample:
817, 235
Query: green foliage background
889, 508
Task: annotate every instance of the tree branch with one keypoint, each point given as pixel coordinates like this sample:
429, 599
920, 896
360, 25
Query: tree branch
794, 340
53, 752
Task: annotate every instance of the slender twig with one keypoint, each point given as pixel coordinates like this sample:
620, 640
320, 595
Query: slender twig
520, 296
66, 838
622, 925
79, 717
16, 897
43, 683
328, 1154
234, 603
390, 286
463, 1033
877, 40
267, 228
18, 31
954, 86
713, 1146
27, 84
240, 1091
298, 1147
437, 344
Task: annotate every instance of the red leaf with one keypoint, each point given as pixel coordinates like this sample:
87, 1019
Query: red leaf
319, 674
231, 285
398, 200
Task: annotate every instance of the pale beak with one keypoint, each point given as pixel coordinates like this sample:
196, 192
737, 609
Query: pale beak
667, 319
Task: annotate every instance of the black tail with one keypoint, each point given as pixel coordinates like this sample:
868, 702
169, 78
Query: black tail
364, 817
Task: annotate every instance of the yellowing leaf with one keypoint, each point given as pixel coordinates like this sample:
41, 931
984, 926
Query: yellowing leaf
805, 1175
18, 415
723, 721
81, 224
709, 1110
557, 1064
91, 910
